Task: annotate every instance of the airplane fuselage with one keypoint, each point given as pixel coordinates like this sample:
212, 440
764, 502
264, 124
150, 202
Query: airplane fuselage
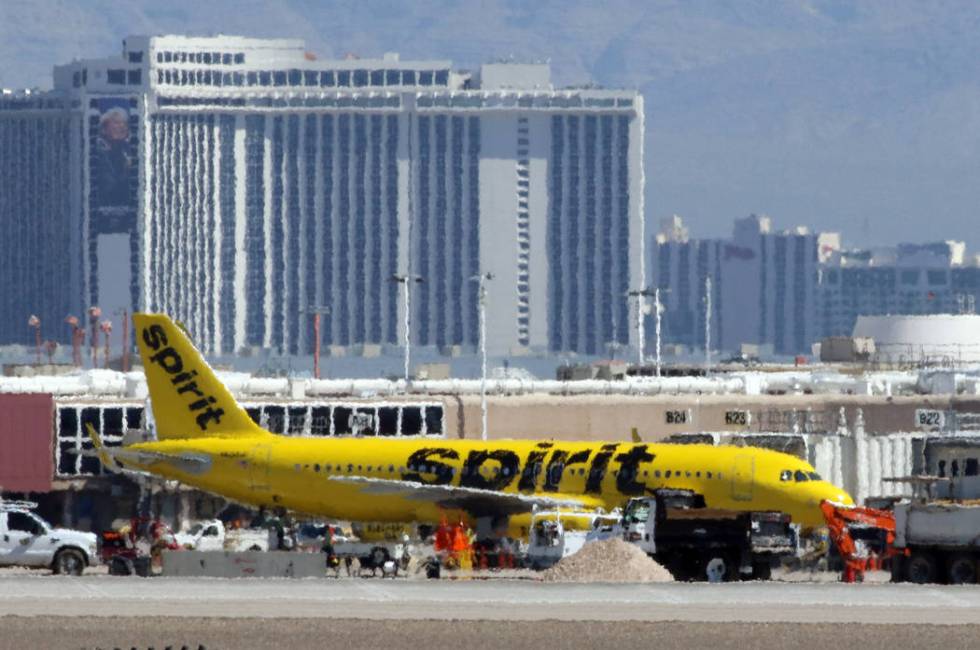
312, 475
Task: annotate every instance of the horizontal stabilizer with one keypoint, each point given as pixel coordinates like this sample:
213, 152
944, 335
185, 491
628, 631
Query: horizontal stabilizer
120, 458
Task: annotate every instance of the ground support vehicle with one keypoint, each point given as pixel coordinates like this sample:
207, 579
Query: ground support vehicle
698, 543
864, 538
385, 556
135, 548
939, 541
376, 547
28, 540
554, 535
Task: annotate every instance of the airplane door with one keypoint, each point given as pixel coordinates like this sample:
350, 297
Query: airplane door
258, 469
743, 477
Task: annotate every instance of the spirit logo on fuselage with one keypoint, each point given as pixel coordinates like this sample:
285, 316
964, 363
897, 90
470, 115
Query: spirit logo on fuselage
181, 377
428, 466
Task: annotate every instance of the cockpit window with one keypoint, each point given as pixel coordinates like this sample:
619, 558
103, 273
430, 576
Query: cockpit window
814, 476
786, 475
800, 476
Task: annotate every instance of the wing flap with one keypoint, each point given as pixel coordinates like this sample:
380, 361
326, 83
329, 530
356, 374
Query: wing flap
475, 501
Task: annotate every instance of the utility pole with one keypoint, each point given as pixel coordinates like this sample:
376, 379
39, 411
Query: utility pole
406, 280
316, 311
482, 279
707, 325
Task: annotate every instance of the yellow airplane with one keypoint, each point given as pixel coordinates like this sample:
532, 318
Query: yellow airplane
205, 439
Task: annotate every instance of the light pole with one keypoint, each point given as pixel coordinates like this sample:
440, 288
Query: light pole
405, 281
77, 336
316, 311
35, 322
94, 313
482, 279
658, 306
106, 327
125, 340
123, 315
707, 325
640, 294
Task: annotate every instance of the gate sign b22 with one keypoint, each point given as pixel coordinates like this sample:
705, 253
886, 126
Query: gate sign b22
929, 419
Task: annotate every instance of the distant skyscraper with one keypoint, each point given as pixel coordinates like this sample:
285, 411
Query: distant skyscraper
40, 233
764, 285
237, 183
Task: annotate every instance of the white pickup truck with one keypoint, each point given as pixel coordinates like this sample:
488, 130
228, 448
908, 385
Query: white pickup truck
27, 540
211, 535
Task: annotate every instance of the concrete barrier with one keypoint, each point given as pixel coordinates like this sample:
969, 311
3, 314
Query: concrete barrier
244, 564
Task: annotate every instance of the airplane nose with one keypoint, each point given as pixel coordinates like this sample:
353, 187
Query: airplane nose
833, 493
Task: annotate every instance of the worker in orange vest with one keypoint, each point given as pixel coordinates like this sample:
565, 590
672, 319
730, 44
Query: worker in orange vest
461, 546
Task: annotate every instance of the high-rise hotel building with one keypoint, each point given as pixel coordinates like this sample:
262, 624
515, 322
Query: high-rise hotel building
241, 184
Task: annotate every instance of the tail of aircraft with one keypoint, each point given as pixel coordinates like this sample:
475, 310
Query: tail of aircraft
189, 401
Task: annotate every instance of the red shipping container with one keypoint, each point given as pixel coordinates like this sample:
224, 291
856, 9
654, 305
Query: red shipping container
26, 439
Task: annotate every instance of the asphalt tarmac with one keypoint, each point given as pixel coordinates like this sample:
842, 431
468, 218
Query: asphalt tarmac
487, 600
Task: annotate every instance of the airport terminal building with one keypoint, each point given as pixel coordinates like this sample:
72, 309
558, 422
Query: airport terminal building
241, 184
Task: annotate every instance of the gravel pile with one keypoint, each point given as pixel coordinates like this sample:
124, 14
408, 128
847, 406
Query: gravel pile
611, 560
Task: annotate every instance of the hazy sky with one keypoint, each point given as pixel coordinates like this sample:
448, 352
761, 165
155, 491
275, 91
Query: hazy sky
861, 117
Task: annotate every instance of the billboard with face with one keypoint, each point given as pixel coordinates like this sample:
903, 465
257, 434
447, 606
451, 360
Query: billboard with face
113, 172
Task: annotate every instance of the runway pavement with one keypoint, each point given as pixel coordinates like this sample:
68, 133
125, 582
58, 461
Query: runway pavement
486, 600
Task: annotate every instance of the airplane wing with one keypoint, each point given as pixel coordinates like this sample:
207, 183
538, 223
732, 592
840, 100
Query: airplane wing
477, 502
115, 459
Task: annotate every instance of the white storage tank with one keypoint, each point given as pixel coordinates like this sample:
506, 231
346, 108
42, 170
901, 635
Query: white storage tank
933, 337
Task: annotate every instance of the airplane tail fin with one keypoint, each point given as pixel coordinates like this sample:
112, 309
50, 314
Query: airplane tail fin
189, 401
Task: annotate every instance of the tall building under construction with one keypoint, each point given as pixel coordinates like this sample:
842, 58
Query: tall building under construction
241, 184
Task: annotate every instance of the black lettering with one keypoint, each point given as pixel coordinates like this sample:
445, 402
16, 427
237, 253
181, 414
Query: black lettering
169, 360
201, 403
182, 377
207, 416
443, 471
509, 468
552, 474
593, 484
192, 387
629, 467
154, 337
560, 461
532, 469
